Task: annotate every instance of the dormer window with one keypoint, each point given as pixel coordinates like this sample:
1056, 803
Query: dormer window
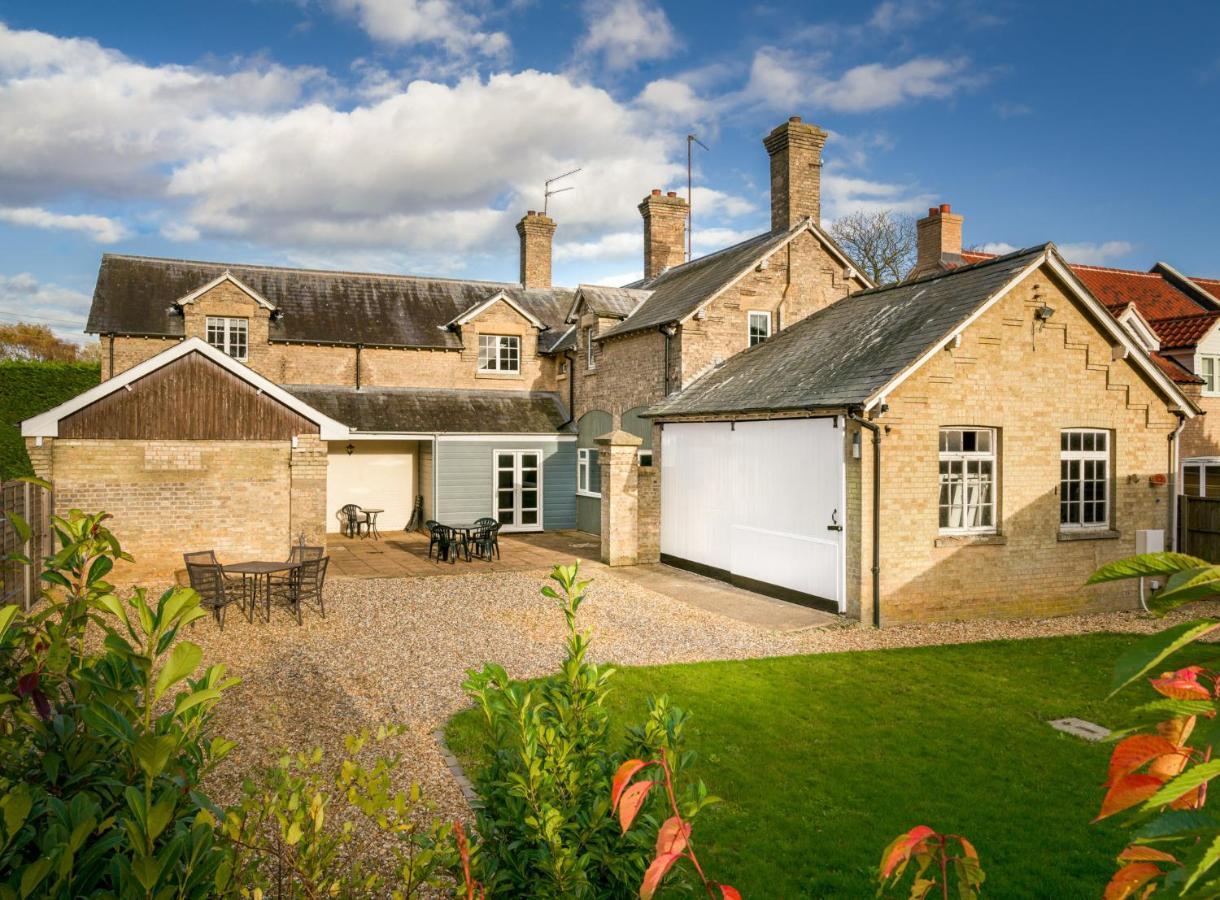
500, 354
229, 335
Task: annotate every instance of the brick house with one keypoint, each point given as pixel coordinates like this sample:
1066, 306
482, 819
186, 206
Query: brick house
1023, 437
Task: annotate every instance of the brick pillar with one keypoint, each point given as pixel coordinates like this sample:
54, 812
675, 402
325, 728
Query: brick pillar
536, 232
617, 453
42, 458
307, 505
649, 481
795, 149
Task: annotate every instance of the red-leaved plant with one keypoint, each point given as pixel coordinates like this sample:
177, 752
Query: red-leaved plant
673, 840
936, 857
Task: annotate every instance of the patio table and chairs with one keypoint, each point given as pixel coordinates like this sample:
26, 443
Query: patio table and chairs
297, 580
472, 540
215, 589
360, 521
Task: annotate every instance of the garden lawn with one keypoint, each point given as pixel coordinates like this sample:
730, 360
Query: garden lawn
822, 760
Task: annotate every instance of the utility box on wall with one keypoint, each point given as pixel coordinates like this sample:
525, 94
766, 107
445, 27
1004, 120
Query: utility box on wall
1150, 540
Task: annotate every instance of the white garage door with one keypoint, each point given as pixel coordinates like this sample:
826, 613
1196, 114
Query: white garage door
759, 501
375, 475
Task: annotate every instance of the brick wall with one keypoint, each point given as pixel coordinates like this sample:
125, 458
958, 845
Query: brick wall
649, 512
379, 367
1201, 436
171, 497
1028, 381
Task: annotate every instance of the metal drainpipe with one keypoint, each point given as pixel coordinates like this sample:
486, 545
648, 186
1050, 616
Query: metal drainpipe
110, 371
876, 430
359, 347
668, 331
1174, 449
571, 358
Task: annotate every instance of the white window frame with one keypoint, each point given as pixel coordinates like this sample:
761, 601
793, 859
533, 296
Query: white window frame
965, 458
222, 333
492, 351
766, 314
1211, 379
590, 348
586, 458
1084, 457
1202, 463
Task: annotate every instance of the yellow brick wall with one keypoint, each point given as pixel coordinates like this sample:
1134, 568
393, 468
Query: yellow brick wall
1029, 382
171, 497
1201, 436
379, 367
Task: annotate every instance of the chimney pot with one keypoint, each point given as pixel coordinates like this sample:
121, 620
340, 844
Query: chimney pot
944, 207
938, 241
933, 212
795, 148
664, 232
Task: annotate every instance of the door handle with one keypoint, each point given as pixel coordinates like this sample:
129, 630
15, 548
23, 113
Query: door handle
834, 522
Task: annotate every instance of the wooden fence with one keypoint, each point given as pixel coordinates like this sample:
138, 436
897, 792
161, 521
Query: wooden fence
18, 582
1199, 527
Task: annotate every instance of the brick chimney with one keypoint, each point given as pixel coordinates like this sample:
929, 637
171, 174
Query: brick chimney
938, 241
664, 231
795, 149
536, 231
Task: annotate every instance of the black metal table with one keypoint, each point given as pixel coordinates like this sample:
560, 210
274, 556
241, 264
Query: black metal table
256, 571
370, 525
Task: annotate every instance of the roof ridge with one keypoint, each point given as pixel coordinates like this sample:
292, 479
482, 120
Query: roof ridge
714, 253
1202, 314
933, 276
334, 272
1095, 268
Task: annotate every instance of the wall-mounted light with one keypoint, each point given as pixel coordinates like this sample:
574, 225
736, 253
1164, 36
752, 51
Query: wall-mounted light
351, 448
1044, 312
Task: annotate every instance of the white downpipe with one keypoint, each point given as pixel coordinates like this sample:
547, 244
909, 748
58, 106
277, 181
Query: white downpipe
1174, 480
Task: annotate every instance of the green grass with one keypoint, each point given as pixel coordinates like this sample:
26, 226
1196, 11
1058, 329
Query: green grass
822, 760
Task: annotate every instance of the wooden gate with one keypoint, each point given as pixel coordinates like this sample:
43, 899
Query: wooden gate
19, 582
1199, 527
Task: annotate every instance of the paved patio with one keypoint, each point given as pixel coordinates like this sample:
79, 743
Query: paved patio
405, 555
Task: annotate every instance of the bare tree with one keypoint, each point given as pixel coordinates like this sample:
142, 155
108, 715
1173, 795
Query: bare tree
882, 243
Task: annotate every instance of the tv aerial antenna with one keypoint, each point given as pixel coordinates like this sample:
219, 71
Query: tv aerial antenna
549, 191
691, 140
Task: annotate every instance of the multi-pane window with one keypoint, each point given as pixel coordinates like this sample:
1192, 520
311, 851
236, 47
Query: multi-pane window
588, 473
1209, 371
499, 353
229, 335
760, 327
590, 348
1201, 478
1084, 478
967, 479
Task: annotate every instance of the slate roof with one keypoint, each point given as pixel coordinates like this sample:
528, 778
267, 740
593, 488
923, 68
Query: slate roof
612, 302
677, 292
841, 355
134, 296
435, 410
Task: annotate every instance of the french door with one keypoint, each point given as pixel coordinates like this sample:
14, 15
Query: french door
518, 495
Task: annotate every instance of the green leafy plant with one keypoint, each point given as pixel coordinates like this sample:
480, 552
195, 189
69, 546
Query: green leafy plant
547, 828
1162, 764
102, 753
941, 860
302, 830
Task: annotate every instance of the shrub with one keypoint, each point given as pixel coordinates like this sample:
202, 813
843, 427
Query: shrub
28, 388
547, 827
101, 754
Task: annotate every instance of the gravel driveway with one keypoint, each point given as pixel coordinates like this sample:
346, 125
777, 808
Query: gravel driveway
396, 650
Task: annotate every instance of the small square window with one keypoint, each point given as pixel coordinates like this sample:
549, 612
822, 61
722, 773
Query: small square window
759, 326
500, 353
229, 335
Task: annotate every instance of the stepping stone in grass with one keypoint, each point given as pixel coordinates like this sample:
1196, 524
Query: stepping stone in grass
1088, 731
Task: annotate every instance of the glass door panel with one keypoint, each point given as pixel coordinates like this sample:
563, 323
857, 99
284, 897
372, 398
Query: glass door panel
518, 489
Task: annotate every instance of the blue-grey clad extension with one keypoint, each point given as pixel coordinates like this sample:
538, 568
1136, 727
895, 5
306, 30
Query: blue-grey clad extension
465, 473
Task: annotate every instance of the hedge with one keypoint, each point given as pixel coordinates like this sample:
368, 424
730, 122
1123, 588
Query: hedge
28, 388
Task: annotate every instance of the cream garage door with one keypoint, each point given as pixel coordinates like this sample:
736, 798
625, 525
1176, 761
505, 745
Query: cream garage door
376, 475
758, 503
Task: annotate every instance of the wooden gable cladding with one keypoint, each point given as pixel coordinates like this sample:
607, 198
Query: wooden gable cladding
189, 399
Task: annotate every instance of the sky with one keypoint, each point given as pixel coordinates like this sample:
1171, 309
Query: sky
410, 135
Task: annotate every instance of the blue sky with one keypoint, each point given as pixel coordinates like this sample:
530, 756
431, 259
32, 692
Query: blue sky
409, 135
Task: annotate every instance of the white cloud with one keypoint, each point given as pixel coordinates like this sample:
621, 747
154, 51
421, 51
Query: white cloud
616, 245
783, 79
625, 33
442, 22
999, 248
1089, 253
676, 99
843, 194
893, 15
24, 298
620, 279
102, 229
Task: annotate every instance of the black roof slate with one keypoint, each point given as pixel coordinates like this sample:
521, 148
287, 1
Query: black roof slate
435, 410
612, 302
134, 296
841, 355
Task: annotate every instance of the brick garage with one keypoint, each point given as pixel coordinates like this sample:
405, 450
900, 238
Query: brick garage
187, 456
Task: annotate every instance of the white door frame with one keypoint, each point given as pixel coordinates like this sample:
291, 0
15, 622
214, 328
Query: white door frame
517, 487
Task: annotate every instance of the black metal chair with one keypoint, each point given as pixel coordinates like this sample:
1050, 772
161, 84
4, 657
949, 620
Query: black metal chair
354, 517
492, 526
215, 589
280, 582
306, 585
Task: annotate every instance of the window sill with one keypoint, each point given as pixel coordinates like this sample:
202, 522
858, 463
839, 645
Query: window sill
1089, 534
591, 496
970, 540
499, 376
590, 371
